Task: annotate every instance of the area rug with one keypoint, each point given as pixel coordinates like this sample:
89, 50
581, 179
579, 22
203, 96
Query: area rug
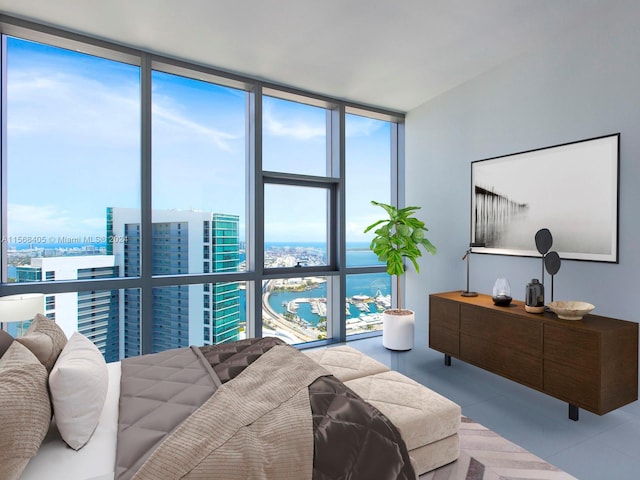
485, 455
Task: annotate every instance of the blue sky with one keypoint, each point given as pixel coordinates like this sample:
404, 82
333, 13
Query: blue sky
74, 147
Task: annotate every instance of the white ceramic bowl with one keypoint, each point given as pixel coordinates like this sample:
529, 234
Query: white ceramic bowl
570, 310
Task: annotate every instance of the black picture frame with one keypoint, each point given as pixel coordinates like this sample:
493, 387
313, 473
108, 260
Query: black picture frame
572, 189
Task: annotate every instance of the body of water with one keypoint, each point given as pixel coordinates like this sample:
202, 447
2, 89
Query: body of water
368, 284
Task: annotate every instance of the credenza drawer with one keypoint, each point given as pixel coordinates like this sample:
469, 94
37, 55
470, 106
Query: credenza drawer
510, 331
571, 346
511, 363
577, 386
444, 340
444, 326
444, 314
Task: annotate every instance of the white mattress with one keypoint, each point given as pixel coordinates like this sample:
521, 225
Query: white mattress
96, 460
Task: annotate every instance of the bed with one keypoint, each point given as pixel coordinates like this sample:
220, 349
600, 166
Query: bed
276, 413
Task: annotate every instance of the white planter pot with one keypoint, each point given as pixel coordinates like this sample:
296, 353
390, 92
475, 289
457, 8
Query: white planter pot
398, 330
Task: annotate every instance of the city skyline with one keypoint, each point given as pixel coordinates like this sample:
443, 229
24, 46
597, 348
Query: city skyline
181, 310
200, 314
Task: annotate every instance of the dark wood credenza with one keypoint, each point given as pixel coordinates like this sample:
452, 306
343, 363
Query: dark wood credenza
590, 363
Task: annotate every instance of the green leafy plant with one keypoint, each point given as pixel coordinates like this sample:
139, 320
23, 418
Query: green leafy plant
398, 237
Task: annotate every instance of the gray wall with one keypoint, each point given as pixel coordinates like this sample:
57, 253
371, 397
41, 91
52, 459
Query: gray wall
583, 85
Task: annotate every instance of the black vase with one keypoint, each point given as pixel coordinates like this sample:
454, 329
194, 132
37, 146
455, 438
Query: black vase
534, 297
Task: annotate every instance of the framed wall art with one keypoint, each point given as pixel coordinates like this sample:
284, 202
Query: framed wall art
571, 189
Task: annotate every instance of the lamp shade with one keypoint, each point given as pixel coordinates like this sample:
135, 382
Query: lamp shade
21, 307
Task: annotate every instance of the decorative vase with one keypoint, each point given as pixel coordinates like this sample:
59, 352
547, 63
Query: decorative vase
534, 297
501, 292
398, 329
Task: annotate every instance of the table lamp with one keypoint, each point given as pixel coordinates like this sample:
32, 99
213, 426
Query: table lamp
467, 293
20, 308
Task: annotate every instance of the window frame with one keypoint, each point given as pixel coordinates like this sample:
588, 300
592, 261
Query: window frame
335, 270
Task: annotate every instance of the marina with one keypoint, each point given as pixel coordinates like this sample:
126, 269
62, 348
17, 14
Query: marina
296, 309
318, 305
305, 312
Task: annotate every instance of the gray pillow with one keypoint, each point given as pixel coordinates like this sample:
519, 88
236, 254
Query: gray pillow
5, 342
45, 339
25, 409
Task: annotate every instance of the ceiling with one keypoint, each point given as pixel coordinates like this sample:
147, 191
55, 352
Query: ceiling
395, 54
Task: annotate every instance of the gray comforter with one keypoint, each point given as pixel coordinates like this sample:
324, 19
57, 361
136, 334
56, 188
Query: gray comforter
254, 409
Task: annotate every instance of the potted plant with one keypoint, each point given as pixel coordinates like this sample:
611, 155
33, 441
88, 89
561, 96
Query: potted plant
399, 237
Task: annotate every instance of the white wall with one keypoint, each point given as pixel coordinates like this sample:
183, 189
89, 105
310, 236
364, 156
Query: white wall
583, 85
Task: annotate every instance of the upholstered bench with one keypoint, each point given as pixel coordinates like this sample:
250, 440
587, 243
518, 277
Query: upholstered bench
428, 421
346, 363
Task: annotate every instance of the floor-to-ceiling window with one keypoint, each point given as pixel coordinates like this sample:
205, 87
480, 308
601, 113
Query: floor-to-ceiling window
198, 164
71, 148
370, 159
159, 204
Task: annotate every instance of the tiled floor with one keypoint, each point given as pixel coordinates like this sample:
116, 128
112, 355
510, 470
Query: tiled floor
594, 448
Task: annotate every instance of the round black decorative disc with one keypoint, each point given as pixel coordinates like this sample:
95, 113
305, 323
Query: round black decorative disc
544, 240
552, 263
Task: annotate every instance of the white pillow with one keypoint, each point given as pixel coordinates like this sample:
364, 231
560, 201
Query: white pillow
78, 384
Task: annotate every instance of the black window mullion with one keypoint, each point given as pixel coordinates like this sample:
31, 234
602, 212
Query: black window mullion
146, 266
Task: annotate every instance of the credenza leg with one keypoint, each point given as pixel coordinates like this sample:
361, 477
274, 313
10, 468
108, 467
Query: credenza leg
573, 412
447, 360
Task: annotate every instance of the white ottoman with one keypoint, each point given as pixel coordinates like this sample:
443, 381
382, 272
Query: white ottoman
346, 363
427, 421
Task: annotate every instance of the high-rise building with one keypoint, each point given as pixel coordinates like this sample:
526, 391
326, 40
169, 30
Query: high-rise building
182, 242
92, 313
225, 296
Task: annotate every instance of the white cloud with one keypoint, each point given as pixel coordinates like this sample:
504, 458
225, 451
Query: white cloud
361, 126
95, 224
66, 104
49, 222
290, 127
62, 103
355, 228
174, 120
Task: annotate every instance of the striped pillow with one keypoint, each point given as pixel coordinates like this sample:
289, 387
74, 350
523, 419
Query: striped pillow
5, 342
25, 409
45, 339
